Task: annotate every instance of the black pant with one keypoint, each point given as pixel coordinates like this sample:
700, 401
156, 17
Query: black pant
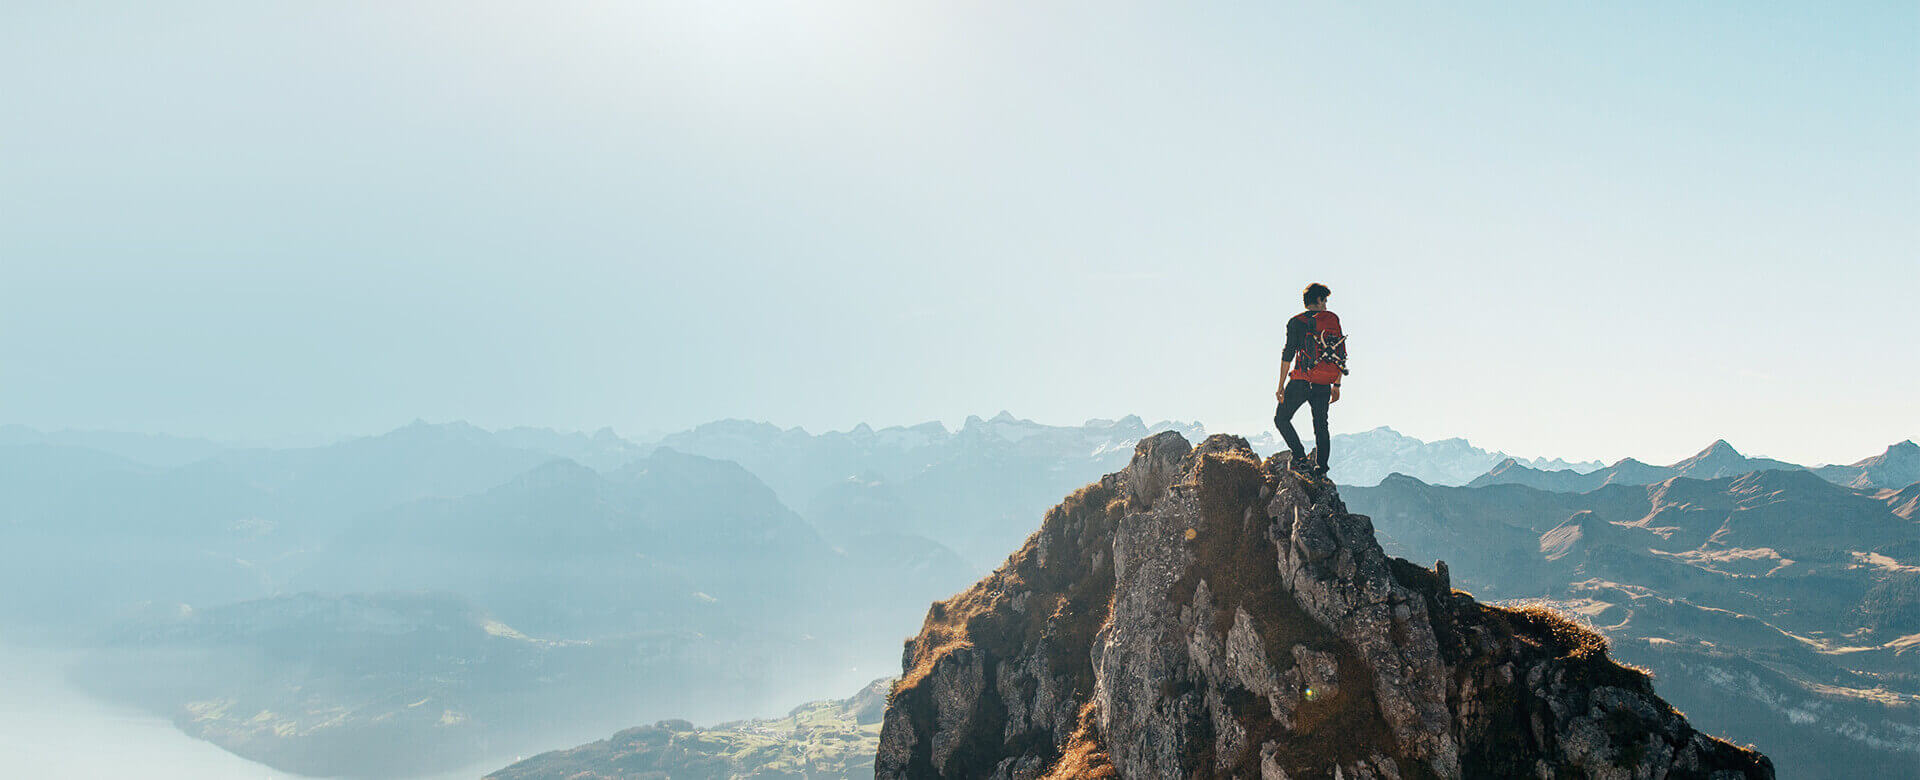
1301, 391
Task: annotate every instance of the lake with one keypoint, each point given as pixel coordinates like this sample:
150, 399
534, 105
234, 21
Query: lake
49, 729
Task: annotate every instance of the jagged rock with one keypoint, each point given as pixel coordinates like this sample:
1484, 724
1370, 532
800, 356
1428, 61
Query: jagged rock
1201, 613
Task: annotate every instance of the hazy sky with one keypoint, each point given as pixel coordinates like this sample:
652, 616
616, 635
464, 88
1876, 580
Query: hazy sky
1586, 230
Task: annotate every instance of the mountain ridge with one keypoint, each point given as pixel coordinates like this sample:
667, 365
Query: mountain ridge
1894, 468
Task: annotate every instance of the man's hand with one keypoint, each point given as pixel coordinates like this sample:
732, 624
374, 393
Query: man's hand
1280, 394
1335, 395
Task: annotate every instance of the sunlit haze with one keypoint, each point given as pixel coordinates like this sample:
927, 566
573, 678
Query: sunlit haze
1579, 231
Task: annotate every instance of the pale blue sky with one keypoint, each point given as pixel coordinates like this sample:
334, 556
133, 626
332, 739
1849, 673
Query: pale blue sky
1585, 230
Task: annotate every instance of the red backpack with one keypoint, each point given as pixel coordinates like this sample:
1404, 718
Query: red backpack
1323, 359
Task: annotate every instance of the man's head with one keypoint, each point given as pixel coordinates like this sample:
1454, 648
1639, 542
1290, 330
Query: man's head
1315, 296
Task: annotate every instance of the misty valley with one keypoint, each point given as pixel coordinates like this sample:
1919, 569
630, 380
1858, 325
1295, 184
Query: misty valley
443, 598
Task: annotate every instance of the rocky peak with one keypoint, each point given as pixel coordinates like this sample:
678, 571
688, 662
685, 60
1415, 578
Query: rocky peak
1202, 612
1896, 467
1716, 454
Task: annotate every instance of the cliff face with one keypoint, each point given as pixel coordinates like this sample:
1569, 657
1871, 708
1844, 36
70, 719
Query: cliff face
1201, 613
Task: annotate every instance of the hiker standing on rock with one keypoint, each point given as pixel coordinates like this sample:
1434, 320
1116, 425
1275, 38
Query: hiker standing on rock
1314, 340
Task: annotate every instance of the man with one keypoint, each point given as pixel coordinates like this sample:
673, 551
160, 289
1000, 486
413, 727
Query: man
1310, 371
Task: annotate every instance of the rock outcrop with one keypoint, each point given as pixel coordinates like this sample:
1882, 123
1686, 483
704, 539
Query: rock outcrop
1201, 613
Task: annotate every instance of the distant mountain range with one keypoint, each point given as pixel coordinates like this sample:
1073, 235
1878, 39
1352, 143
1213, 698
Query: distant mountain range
1368, 457
1898, 467
149, 449
975, 490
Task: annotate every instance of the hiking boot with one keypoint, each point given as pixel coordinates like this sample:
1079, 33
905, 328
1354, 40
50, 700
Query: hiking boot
1303, 467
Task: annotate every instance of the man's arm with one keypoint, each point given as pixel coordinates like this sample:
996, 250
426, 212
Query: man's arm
1296, 340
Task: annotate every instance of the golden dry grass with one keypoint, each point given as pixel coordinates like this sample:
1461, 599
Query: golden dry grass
1050, 567
1570, 640
1083, 755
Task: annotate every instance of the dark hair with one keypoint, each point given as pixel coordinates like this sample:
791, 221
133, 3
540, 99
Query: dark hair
1315, 293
